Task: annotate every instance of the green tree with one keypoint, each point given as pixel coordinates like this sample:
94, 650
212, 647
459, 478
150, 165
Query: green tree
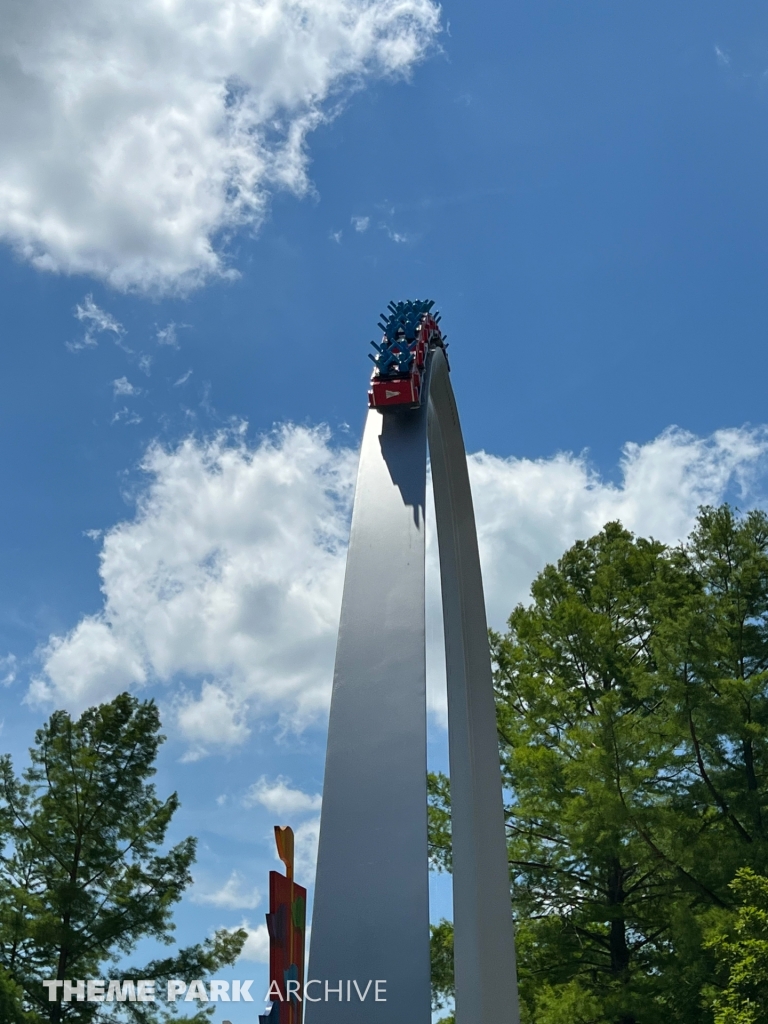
742, 948
441, 944
632, 713
82, 872
12, 1002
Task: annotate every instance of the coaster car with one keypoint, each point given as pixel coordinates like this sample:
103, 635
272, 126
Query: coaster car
410, 334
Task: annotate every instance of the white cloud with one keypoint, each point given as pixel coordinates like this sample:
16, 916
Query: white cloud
168, 335
183, 379
230, 571
8, 669
229, 575
127, 416
135, 137
361, 223
122, 386
723, 57
280, 798
306, 838
233, 895
529, 511
256, 946
90, 664
215, 717
97, 321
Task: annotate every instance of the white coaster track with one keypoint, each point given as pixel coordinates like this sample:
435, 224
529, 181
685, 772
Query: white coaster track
371, 907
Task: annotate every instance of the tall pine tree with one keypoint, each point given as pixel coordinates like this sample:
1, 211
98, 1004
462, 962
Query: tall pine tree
83, 873
632, 711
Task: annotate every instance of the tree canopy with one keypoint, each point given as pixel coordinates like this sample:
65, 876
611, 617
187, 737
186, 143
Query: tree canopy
83, 872
632, 705
741, 945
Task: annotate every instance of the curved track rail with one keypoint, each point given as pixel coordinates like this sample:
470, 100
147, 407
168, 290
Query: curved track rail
371, 906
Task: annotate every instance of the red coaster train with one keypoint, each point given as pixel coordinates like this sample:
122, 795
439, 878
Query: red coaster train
410, 332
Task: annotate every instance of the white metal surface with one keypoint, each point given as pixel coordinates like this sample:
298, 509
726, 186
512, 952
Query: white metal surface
484, 945
371, 913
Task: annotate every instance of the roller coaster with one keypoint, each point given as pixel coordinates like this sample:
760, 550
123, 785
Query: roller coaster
371, 906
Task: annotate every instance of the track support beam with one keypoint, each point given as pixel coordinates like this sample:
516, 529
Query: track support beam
371, 907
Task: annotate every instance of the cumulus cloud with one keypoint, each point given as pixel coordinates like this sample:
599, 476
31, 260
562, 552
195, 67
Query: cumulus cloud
228, 577
256, 946
135, 138
233, 895
306, 838
216, 716
280, 798
361, 223
230, 573
530, 511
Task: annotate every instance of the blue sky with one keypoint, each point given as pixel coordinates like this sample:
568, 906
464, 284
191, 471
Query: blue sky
200, 223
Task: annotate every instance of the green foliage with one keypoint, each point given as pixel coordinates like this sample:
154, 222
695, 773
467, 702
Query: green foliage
12, 1002
441, 942
438, 796
569, 1004
633, 722
82, 878
743, 949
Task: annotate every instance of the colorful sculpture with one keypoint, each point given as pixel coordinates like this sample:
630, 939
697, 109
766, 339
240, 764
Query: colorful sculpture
286, 922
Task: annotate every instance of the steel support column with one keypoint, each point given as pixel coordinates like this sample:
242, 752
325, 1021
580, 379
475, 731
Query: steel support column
371, 912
